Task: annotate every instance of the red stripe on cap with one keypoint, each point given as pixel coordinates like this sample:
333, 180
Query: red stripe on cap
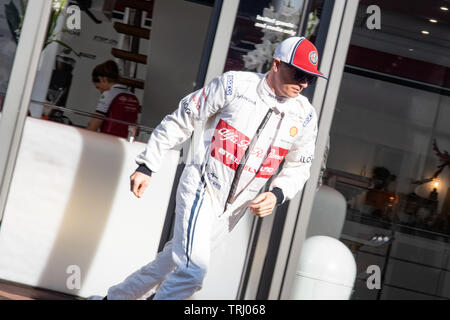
291, 60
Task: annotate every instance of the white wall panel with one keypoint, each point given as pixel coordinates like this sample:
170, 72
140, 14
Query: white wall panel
70, 204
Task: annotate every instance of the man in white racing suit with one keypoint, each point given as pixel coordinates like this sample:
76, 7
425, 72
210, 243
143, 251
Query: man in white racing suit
248, 124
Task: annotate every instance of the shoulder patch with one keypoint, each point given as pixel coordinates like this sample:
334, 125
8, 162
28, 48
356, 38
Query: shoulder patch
230, 81
308, 119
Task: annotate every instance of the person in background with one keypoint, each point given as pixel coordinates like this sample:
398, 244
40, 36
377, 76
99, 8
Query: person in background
116, 101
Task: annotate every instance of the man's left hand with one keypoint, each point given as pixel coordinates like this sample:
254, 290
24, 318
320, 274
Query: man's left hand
263, 204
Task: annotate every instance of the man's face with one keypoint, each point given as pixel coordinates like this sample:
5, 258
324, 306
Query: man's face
285, 82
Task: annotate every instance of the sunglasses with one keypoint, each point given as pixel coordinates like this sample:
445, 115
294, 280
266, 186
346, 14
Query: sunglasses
301, 76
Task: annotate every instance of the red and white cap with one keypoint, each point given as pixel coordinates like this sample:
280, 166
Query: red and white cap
299, 53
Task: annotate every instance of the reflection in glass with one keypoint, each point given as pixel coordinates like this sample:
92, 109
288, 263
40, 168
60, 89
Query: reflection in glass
84, 35
261, 26
389, 145
11, 19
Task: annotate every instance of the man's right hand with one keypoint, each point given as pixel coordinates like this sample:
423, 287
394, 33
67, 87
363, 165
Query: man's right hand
138, 183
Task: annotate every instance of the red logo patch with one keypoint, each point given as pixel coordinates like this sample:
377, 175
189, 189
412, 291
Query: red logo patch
228, 145
272, 162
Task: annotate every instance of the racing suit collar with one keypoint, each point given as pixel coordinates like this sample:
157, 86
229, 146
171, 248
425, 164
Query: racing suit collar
119, 86
268, 95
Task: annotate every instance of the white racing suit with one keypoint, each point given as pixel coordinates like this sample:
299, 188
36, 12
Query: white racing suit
245, 132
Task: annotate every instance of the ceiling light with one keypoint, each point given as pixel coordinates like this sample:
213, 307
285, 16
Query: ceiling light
411, 49
444, 8
425, 32
433, 20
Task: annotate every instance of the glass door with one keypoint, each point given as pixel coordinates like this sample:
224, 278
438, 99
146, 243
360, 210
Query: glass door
389, 144
23, 29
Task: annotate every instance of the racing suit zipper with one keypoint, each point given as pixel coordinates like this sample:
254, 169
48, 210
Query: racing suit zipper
244, 159
262, 162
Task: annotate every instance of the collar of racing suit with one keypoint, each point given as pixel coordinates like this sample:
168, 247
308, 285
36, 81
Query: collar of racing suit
266, 93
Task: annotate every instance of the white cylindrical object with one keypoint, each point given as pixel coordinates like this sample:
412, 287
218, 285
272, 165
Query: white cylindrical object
326, 270
328, 213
